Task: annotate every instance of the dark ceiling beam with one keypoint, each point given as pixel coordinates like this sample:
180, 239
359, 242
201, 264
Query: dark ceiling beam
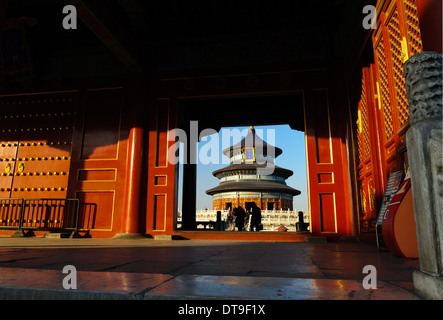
135, 11
3, 7
93, 19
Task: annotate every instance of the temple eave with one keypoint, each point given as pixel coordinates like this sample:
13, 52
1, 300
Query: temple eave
245, 186
251, 169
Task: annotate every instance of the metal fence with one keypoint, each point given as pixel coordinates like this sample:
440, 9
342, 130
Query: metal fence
10, 213
39, 214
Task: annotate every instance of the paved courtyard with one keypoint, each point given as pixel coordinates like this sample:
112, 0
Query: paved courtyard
31, 268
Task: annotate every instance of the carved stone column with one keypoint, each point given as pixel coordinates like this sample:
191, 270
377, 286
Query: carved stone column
423, 73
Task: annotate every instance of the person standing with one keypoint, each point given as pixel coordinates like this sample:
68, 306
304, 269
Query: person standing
230, 220
240, 216
255, 218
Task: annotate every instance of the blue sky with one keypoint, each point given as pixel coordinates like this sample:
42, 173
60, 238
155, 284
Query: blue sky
291, 142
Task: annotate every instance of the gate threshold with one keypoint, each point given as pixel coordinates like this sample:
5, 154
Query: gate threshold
243, 235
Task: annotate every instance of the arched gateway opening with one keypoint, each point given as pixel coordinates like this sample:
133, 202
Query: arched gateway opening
268, 190
306, 105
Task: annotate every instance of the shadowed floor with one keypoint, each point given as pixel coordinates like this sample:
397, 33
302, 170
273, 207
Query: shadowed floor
146, 269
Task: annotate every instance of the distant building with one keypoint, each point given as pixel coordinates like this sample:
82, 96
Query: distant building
241, 184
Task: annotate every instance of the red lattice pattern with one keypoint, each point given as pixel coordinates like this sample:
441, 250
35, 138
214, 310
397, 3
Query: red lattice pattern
413, 27
395, 39
360, 142
364, 119
384, 89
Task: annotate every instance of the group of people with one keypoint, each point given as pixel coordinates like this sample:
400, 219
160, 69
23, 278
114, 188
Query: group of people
242, 217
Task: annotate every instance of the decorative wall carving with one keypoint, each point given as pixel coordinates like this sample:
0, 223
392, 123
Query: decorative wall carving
423, 73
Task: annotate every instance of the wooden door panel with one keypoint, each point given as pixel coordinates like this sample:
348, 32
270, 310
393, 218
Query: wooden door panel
160, 210
327, 201
96, 210
8, 150
101, 123
42, 125
98, 160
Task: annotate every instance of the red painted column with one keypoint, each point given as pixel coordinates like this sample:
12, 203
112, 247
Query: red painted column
133, 205
430, 18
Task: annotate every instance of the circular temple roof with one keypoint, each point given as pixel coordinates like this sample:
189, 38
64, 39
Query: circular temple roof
253, 185
252, 140
250, 168
262, 185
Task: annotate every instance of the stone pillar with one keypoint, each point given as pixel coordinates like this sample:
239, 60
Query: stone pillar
423, 73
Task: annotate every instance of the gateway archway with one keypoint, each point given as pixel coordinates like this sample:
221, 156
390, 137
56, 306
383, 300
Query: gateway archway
211, 158
307, 105
279, 208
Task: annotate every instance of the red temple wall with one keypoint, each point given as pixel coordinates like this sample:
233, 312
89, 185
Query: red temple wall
68, 145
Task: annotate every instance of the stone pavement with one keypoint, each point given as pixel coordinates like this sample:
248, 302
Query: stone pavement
32, 268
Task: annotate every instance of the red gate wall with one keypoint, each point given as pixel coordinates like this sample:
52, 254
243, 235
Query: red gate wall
327, 140
67, 144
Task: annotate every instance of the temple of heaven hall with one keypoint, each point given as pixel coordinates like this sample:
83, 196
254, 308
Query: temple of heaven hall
241, 183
